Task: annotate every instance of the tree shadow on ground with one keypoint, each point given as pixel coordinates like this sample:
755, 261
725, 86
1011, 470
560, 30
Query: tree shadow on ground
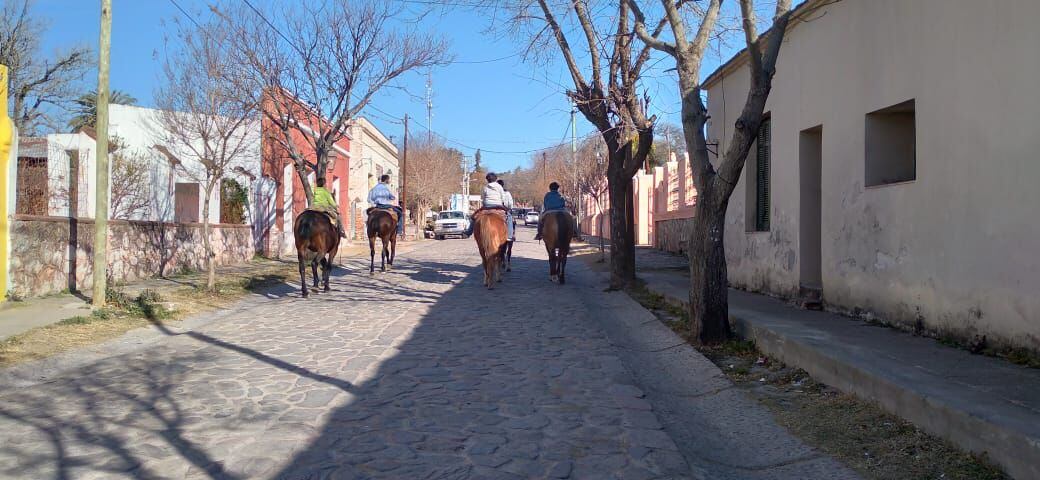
439, 379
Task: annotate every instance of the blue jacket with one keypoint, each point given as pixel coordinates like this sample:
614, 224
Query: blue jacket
553, 201
381, 195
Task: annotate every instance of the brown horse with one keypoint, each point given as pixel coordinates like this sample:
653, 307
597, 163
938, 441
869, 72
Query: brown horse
317, 241
489, 230
557, 231
381, 224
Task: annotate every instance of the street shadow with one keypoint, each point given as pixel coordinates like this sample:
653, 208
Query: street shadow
434, 377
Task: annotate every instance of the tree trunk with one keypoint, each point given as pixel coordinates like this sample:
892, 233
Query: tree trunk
622, 238
211, 268
301, 171
709, 304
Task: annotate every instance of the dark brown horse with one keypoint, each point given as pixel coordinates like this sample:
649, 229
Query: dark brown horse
557, 231
316, 242
489, 230
381, 224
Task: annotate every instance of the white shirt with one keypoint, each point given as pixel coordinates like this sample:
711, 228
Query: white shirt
493, 195
507, 200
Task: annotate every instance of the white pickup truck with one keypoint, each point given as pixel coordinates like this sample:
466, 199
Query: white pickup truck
450, 223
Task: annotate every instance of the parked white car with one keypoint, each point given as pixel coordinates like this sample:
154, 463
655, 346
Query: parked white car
450, 223
531, 218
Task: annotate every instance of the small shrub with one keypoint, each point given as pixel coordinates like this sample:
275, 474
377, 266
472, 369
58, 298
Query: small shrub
79, 320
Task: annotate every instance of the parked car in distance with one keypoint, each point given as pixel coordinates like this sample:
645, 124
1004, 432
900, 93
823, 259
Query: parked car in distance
531, 218
450, 223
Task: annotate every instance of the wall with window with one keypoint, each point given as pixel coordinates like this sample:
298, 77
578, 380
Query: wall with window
919, 119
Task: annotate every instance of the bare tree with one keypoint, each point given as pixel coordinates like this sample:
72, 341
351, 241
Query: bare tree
331, 60
206, 127
130, 182
606, 93
434, 173
37, 84
590, 177
709, 309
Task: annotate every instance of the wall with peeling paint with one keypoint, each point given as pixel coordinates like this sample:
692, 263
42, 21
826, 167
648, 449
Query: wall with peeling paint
956, 251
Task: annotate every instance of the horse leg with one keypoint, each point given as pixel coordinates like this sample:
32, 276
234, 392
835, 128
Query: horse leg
383, 255
303, 274
371, 254
314, 271
563, 265
326, 265
509, 256
393, 249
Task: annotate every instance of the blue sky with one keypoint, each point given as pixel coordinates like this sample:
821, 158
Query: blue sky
505, 107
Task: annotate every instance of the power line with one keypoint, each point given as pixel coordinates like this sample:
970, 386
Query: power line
185, 12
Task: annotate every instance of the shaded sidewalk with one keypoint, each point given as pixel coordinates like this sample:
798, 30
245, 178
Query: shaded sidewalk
982, 404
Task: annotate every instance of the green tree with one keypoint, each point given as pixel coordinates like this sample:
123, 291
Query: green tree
85, 108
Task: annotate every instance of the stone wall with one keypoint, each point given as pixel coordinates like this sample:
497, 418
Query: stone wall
51, 254
671, 235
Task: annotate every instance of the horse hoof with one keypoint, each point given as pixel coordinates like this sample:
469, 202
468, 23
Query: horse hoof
326, 289
305, 294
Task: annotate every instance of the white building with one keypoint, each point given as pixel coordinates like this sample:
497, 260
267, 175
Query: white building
372, 155
170, 194
899, 174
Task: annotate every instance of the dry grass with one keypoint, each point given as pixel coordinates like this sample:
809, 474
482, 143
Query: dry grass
126, 313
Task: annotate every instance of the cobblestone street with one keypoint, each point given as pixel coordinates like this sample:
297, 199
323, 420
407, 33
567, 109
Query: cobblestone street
415, 373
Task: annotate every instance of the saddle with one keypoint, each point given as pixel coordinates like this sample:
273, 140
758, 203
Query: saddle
391, 211
500, 211
323, 211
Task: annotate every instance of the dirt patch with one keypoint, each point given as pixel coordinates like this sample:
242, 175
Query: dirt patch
126, 312
858, 433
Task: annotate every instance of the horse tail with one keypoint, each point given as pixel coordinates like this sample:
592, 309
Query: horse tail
487, 236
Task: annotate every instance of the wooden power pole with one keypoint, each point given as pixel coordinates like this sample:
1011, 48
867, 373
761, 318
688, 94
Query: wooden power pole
101, 185
404, 174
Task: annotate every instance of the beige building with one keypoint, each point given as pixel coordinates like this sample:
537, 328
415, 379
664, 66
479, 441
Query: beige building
897, 172
372, 155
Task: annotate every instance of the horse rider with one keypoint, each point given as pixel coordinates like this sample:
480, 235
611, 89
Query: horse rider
382, 198
553, 201
493, 197
507, 200
325, 202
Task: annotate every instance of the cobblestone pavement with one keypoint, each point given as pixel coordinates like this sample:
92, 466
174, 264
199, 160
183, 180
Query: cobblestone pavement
417, 373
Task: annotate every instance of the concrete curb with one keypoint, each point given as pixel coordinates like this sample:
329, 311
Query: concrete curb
722, 433
1008, 438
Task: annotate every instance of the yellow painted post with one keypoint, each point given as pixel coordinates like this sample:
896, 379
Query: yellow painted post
6, 138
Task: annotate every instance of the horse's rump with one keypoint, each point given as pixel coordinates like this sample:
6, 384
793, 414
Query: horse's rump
326, 211
387, 210
557, 228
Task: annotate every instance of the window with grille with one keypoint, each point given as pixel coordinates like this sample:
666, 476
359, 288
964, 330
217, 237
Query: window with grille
760, 173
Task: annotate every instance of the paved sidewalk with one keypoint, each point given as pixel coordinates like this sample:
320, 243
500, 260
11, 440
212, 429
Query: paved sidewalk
417, 373
983, 404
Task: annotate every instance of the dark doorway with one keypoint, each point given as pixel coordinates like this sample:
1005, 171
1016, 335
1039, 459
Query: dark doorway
186, 203
810, 153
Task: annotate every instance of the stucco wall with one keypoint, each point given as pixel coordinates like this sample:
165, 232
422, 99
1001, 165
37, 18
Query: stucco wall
41, 251
954, 251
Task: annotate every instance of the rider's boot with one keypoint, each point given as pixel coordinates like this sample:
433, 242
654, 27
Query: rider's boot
538, 236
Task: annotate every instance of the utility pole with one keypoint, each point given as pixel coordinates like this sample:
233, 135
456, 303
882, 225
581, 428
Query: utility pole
404, 173
543, 171
429, 104
101, 185
574, 163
